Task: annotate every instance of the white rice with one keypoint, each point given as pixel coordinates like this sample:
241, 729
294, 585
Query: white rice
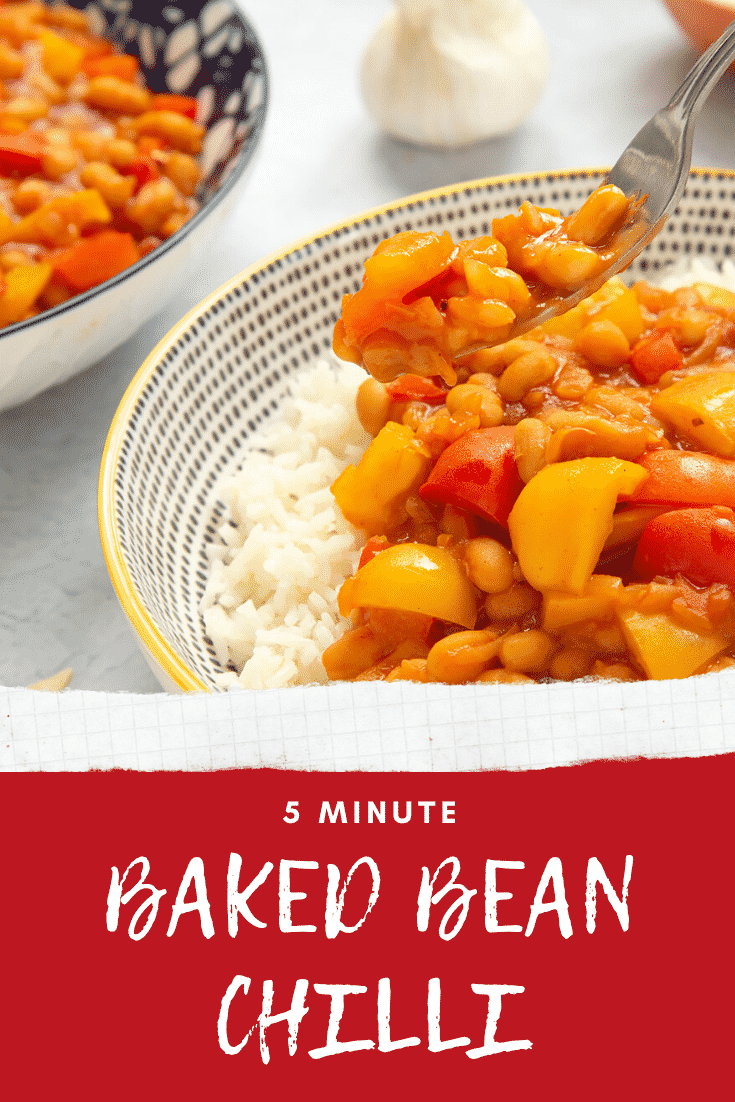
694, 270
270, 606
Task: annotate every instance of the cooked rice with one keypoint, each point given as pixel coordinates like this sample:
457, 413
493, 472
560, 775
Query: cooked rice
270, 606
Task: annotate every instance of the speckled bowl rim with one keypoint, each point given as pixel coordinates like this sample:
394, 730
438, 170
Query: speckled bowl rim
134, 608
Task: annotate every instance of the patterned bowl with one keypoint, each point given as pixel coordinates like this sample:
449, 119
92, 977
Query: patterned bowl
204, 50
224, 370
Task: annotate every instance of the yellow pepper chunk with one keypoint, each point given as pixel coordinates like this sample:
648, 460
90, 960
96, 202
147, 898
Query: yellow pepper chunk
373, 494
702, 408
61, 59
717, 298
81, 209
596, 603
613, 302
413, 577
666, 649
559, 524
23, 285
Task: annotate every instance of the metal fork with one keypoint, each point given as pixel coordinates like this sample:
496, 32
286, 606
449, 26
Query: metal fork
655, 166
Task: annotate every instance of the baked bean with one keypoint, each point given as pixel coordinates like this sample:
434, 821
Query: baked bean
373, 405
183, 170
120, 152
603, 343
527, 651
613, 671
90, 143
469, 398
112, 94
536, 366
456, 523
577, 433
504, 677
513, 604
58, 162
41, 82
570, 663
30, 195
174, 222
616, 401
489, 565
410, 669
13, 258
598, 216
497, 283
534, 400
25, 108
152, 205
177, 130
530, 439
462, 656
566, 266
352, 653
609, 640
483, 378
572, 381
494, 360
114, 188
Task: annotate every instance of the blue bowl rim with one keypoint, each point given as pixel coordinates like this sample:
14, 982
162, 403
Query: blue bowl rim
243, 159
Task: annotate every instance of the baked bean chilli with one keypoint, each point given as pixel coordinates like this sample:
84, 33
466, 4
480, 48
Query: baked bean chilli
95, 170
552, 506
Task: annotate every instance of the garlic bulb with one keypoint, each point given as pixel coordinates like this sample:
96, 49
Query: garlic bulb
450, 72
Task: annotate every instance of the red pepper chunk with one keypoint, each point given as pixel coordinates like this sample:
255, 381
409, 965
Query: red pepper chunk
143, 168
686, 478
416, 388
373, 546
123, 66
654, 356
94, 259
477, 473
182, 105
696, 543
22, 152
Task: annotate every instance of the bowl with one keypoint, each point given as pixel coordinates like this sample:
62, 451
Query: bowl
205, 50
225, 369
702, 21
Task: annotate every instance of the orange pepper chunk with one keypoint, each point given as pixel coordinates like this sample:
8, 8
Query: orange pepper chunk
398, 266
182, 105
124, 66
94, 259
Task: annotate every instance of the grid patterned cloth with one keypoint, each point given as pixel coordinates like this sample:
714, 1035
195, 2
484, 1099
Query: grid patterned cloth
369, 726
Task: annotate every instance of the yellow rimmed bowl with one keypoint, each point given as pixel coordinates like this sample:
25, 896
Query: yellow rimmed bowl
223, 372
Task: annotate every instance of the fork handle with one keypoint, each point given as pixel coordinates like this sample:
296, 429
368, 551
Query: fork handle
687, 100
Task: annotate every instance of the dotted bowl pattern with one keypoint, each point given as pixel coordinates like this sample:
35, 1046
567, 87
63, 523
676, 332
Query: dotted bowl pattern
224, 372
209, 52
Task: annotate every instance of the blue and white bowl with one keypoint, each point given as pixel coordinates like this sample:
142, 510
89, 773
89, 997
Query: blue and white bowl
209, 51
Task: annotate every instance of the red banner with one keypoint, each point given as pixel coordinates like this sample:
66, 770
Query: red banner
563, 933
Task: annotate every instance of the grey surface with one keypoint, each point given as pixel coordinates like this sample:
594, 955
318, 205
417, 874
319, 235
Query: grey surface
322, 160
